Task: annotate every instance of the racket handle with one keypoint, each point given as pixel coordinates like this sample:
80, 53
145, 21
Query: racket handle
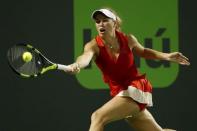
63, 67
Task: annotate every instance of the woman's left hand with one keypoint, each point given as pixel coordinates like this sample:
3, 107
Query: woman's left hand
179, 58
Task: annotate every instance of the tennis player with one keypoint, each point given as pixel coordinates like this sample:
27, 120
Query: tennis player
131, 92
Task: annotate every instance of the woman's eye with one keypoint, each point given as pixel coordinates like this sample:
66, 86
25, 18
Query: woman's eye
105, 20
97, 21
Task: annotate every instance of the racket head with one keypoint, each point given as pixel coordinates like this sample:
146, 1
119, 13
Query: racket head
38, 65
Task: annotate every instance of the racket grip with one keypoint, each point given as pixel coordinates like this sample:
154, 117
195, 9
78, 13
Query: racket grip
63, 67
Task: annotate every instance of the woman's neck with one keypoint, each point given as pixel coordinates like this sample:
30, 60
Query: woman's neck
111, 38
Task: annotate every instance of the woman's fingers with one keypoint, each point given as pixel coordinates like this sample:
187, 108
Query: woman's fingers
180, 58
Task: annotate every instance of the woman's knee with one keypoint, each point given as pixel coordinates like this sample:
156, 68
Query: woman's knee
98, 117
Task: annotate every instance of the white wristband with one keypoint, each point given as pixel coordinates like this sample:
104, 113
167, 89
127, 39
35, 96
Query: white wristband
63, 67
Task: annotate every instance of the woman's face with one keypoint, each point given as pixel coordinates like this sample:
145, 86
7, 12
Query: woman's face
104, 25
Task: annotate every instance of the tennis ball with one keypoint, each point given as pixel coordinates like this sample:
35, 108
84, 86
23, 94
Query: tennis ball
27, 56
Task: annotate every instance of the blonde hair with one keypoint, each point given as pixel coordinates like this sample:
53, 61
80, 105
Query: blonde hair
118, 19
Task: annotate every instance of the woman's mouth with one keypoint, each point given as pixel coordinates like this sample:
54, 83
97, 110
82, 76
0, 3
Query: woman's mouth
102, 30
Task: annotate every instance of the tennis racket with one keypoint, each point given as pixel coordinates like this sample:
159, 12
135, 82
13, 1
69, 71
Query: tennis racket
36, 66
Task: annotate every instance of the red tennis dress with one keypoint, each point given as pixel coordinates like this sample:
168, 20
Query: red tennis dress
121, 74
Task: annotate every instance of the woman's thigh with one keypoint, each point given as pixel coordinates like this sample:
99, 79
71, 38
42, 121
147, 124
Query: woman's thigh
144, 121
118, 108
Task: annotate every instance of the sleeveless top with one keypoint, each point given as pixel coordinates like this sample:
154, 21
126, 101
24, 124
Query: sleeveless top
121, 73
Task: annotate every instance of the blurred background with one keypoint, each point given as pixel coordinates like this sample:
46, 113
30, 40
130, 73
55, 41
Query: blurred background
57, 101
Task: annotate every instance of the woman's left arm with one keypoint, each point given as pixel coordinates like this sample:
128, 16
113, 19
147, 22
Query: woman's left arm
154, 54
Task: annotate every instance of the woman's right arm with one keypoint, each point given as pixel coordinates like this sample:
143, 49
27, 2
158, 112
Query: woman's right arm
84, 59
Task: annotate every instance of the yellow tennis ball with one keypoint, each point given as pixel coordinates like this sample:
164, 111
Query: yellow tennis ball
27, 56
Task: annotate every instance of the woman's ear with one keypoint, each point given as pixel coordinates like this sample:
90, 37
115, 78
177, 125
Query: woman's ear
115, 24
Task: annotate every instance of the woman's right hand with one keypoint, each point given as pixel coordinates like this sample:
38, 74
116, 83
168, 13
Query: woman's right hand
73, 68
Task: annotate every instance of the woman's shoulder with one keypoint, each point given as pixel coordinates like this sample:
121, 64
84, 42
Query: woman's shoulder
132, 38
92, 45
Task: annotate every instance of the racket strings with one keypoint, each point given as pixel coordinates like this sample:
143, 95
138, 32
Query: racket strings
28, 68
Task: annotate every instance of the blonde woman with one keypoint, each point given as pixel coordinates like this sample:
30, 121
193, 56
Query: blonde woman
131, 92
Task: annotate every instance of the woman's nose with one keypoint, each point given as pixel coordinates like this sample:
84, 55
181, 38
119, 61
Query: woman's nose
101, 23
